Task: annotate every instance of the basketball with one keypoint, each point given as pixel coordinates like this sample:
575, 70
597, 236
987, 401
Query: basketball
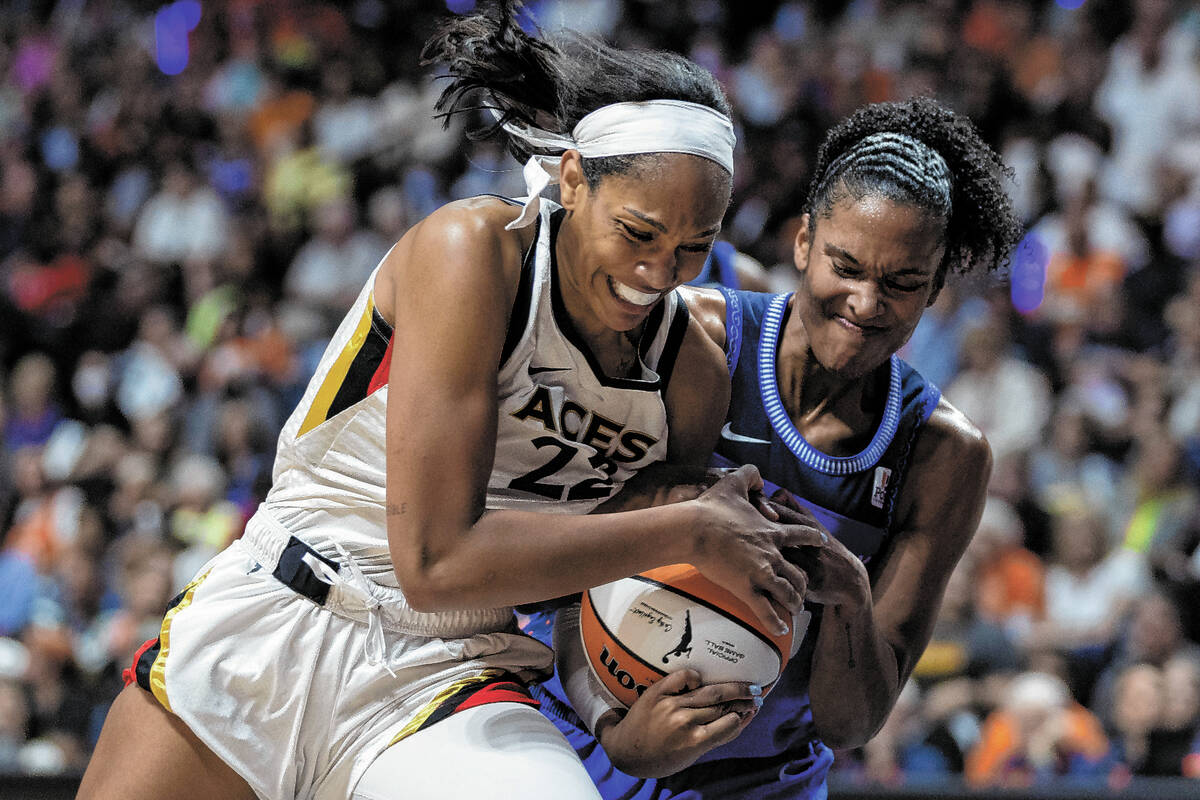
637, 630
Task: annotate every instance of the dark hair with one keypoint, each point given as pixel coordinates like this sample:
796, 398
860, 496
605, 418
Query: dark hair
981, 228
552, 82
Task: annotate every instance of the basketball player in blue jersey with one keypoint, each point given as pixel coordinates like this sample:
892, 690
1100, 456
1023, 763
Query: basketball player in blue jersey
506, 369
725, 266
904, 195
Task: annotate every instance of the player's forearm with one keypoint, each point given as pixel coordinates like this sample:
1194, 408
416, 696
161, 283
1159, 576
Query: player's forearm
660, 484
512, 557
856, 677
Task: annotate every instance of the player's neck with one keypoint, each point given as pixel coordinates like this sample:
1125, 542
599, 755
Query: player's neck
829, 409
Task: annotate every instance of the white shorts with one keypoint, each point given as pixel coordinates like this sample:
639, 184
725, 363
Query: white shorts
280, 687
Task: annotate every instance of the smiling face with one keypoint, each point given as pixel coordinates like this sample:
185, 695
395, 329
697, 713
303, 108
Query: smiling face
633, 237
866, 276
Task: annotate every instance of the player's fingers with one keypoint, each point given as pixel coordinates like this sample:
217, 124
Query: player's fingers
797, 578
699, 717
764, 506
786, 499
680, 682
714, 694
765, 611
782, 583
799, 534
746, 479
724, 729
794, 514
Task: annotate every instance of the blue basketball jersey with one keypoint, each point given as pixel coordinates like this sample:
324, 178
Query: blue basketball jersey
778, 755
718, 269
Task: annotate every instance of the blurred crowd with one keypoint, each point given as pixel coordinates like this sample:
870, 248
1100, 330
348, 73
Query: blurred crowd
175, 250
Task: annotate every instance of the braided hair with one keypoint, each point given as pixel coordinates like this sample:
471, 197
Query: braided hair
920, 153
553, 82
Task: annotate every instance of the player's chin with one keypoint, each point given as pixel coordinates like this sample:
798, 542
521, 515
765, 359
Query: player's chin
854, 363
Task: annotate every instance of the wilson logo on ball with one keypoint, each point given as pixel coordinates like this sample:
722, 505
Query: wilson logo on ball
623, 678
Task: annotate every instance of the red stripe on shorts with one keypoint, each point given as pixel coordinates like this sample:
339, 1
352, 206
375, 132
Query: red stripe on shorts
380, 378
129, 674
505, 692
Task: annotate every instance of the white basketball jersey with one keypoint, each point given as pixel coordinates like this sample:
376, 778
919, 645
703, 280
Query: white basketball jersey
567, 435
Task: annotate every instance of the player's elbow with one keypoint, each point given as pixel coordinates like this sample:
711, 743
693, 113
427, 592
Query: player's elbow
427, 589
848, 734
418, 576
419, 594
843, 724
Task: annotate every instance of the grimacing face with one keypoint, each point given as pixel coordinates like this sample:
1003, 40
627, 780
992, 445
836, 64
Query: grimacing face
866, 276
637, 236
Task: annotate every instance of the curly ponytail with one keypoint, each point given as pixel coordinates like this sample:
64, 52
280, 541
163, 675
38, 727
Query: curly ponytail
554, 82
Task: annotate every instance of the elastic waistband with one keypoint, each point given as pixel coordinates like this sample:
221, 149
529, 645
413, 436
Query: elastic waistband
339, 585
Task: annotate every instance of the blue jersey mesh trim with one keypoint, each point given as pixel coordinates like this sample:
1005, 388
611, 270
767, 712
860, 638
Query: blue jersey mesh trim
772, 324
733, 328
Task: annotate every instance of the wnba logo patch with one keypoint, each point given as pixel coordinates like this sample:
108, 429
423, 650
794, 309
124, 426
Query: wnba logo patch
883, 476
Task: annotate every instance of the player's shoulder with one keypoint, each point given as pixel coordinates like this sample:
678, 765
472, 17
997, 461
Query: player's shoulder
461, 243
475, 222
949, 433
707, 308
949, 467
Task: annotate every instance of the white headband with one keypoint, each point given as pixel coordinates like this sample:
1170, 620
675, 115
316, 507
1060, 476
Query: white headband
622, 129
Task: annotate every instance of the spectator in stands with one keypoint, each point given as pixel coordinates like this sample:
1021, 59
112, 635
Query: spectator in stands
332, 266
1009, 585
1090, 586
33, 410
1138, 704
1006, 396
1159, 500
184, 222
1148, 97
14, 724
1153, 635
1038, 734
1173, 743
1066, 471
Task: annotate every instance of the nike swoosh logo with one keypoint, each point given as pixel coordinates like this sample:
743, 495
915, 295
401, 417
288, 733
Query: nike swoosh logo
727, 433
540, 370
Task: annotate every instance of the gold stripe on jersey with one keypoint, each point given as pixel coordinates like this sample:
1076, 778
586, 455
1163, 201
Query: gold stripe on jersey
319, 411
158, 682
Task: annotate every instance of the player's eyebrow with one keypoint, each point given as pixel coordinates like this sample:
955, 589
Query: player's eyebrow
834, 250
653, 223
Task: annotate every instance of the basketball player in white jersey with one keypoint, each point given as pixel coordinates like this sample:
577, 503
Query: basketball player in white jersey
504, 372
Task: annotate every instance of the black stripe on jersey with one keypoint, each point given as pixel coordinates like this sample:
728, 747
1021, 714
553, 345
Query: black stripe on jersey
675, 334
650, 329
362, 368
563, 320
519, 318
